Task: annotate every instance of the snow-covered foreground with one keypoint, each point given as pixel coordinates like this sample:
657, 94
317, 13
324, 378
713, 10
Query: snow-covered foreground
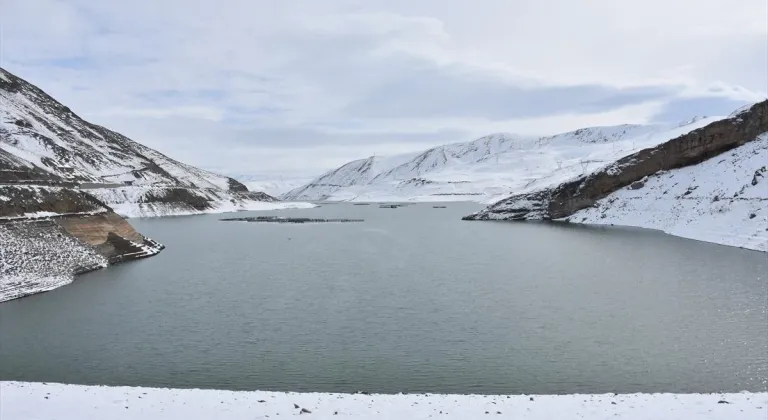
722, 200
29, 401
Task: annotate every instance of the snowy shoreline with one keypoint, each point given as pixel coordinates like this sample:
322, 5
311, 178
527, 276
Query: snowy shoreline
713, 241
721, 200
26, 400
151, 210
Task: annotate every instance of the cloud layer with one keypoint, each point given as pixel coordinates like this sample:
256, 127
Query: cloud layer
295, 87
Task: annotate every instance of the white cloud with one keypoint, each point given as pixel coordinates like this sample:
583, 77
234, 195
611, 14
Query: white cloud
299, 86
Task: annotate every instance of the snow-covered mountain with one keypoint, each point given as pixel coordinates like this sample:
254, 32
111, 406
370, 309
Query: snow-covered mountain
492, 166
709, 184
722, 200
43, 141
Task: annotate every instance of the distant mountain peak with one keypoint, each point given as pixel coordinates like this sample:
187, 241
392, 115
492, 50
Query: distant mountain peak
492, 165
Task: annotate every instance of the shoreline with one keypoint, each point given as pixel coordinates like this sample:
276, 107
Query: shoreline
690, 238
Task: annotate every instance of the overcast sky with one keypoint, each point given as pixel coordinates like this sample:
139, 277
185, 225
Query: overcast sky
292, 88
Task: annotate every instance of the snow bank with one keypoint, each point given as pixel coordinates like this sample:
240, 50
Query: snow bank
722, 200
29, 401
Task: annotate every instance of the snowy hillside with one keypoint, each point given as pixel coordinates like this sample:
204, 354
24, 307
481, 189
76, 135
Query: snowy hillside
722, 200
709, 184
490, 167
44, 142
38, 129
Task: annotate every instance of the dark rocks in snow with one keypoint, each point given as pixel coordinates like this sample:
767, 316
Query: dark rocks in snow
236, 186
690, 190
305, 411
758, 174
723, 402
637, 184
752, 215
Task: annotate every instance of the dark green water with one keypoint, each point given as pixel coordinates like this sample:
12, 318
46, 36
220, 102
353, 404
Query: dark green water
412, 300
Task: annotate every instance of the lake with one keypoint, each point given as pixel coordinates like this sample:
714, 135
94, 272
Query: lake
411, 300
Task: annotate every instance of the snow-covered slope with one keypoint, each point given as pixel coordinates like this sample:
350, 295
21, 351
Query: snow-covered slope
42, 140
36, 128
489, 167
709, 184
722, 200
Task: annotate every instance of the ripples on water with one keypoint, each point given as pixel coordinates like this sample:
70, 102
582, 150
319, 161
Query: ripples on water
412, 300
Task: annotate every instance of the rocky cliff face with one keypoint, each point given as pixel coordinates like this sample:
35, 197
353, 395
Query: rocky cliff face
584, 191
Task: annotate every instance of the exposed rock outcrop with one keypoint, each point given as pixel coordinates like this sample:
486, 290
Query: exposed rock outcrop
40, 255
111, 236
50, 234
689, 149
22, 200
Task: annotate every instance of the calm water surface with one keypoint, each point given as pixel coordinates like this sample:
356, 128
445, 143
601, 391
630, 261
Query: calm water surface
411, 300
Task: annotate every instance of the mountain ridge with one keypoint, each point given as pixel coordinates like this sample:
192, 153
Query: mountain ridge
42, 141
487, 167
707, 184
